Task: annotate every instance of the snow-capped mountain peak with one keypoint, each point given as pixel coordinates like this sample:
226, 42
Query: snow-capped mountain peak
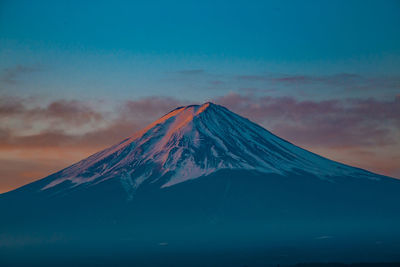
194, 141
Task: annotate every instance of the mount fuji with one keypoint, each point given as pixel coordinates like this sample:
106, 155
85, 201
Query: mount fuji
202, 186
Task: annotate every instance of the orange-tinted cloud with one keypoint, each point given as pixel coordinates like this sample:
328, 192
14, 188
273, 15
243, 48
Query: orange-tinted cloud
330, 123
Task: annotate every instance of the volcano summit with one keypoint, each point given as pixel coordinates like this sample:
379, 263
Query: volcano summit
205, 182
195, 141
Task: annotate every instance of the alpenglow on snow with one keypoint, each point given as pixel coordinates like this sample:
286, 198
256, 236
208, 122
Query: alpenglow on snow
195, 141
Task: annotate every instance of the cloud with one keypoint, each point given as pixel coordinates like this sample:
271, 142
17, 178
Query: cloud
302, 85
340, 78
57, 114
336, 79
73, 111
331, 123
103, 130
252, 77
10, 106
11, 75
342, 83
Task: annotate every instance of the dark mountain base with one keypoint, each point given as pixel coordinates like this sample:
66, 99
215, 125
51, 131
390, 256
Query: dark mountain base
231, 218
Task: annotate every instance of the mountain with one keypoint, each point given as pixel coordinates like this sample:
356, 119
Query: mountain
191, 142
199, 183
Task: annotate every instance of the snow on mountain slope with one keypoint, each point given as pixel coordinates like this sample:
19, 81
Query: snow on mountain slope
194, 141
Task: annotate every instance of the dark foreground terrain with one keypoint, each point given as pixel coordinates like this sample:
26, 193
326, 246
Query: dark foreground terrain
219, 220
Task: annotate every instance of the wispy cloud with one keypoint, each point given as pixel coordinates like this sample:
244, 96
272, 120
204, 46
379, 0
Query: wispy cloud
54, 121
314, 87
328, 83
59, 114
330, 123
11, 75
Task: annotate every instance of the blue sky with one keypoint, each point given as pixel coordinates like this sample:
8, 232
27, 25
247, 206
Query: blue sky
139, 44
295, 67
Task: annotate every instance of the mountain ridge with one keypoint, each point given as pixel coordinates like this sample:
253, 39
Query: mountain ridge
193, 141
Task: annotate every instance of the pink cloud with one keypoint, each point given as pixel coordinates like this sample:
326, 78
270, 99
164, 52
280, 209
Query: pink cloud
328, 123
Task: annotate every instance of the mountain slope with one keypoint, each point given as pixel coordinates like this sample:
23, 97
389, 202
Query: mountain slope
194, 141
202, 180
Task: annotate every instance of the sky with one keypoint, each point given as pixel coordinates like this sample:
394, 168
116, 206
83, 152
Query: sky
79, 76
